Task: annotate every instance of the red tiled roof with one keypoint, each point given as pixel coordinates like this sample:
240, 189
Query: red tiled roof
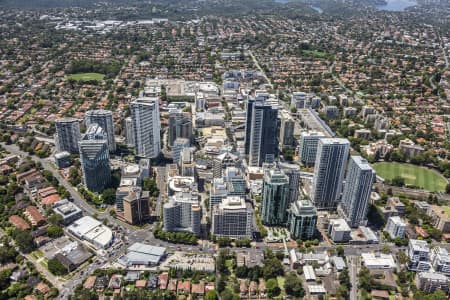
33, 215
49, 200
18, 222
89, 283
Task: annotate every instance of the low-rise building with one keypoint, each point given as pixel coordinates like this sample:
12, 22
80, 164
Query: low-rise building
34, 216
430, 282
378, 261
418, 252
93, 231
409, 148
309, 274
140, 254
72, 256
68, 211
19, 222
396, 227
339, 231
63, 159
90, 282
440, 260
441, 218
395, 202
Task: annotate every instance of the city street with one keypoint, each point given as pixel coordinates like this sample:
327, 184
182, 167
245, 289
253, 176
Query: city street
352, 263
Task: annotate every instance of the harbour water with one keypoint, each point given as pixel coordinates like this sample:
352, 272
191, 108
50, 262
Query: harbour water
397, 5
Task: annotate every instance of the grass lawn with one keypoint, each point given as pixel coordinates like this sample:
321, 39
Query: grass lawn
281, 281
446, 209
37, 254
425, 178
229, 265
86, 76
316, 53
44, 263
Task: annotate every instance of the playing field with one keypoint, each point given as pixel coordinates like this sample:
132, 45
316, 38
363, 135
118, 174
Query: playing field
427, 179
86, 76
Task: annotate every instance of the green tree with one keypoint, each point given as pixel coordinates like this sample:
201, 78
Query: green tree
398, 181
447, 188
342, 293
54, 231
293, 285
56, 267
109, 196
272, 288
211, 295
24, 240
340, 251
149, 184
5, 279
386, 249
228, 294
55, 219
366, 281
83, 294
272, 268
241, 272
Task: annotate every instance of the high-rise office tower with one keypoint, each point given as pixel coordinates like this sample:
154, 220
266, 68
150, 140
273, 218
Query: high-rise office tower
286, 130
275, 197
103, 118
357, 188
182, 213
235, 182
146, 127
331, 159
223, 161
261, 140
136, 208
293, 173
180, 125
187, 162
67, 135
177, 148
129, 132
307, 148
232, 218
302, 219
94, 157
218, 192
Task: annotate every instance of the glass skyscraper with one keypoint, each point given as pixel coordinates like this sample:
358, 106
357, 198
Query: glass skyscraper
331, 159
275, 199
94, 157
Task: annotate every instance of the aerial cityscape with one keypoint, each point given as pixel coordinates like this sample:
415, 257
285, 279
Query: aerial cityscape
225, 149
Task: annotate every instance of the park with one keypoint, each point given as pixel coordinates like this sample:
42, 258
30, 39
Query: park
413, 175
82, 77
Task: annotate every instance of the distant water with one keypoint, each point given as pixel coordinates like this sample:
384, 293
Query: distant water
318, 9
281, 1
397, 5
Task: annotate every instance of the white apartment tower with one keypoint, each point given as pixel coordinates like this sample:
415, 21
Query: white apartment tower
146, 126
357, 188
